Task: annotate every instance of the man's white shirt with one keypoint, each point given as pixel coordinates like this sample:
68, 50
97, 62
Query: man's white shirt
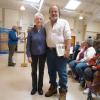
58, 33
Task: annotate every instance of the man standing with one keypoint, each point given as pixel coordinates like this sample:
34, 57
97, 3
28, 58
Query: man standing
57, 32
12, 43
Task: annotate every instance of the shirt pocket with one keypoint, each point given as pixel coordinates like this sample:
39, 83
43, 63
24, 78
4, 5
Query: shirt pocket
58, 30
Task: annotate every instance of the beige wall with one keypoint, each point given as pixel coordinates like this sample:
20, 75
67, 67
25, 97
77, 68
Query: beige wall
0, 16
25, 19
71, 22
79, 29
92, 29
11, 18
15, 17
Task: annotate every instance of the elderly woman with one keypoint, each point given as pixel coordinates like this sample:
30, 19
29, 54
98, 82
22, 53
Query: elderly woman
82, 64
36, 52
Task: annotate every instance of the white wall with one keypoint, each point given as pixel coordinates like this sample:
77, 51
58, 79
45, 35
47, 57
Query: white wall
93, 28
11, 18
82, 30
26, 19
77, 28
16, 17
0, 16
71, 22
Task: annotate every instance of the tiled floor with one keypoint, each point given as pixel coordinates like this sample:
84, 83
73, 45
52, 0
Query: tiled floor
15, 83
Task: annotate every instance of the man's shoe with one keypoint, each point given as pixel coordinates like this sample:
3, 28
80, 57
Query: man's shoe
51, 91
40, 92
33, 91
62, 94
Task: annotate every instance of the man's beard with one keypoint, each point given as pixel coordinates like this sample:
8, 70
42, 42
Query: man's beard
54, 19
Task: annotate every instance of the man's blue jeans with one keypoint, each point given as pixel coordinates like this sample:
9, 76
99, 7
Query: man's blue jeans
57, 64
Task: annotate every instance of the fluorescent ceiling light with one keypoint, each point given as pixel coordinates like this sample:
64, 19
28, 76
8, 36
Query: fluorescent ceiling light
72, 4
37, 4
33, 1
41, 4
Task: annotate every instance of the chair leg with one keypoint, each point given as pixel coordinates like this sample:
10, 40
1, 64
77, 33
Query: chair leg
89, 96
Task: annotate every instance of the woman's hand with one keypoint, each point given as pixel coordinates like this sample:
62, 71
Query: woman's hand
77, 61
94, 68
29, 59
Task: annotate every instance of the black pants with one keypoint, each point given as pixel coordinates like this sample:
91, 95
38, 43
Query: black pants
38, 62
12, 48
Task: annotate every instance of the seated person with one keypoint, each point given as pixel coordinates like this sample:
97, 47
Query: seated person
80, 56
91, 71
82, 64
76, 50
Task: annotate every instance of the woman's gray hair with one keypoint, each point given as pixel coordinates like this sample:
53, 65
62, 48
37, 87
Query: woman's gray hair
40, 15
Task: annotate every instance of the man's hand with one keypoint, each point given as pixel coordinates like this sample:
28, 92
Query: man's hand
67, 48
66, 55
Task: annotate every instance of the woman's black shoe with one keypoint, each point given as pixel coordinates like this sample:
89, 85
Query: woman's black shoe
33, 91
11, 64
40, 92
82, 84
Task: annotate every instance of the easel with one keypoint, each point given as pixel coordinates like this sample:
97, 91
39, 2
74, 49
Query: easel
24, 64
